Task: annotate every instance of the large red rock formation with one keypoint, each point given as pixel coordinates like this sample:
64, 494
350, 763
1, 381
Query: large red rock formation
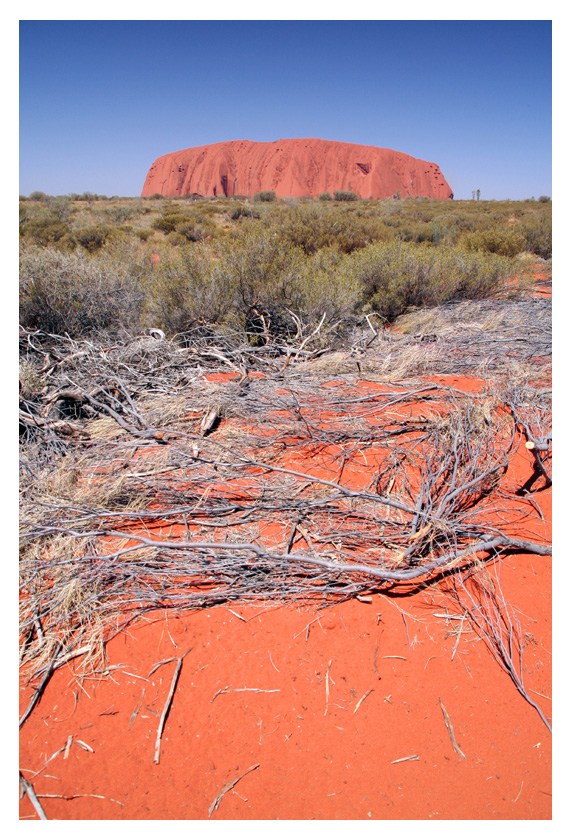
294, 168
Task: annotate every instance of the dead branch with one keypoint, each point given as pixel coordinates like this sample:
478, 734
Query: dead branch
167, 706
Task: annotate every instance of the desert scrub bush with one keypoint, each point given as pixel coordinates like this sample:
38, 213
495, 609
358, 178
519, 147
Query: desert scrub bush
75, 293
120, 214
186, 288
506, 242
143, 233
315, 225
30, 382
203, 210
24, 213
194, 231
38, 195
475, 276
46, 230
398, 275
264, 195
263, 270
244, 212
93, 237
536, 231
309, 227
329, 284
416, 233
345, 195
175, 239
59, 206
90, 197
325, 196
168, 222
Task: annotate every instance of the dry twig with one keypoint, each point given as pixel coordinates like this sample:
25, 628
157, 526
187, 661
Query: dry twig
167, 706
449, 726
229, 786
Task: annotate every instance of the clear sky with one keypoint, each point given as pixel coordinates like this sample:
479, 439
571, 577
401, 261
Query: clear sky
100, 100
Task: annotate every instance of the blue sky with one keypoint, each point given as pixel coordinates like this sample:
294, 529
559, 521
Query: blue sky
100, 100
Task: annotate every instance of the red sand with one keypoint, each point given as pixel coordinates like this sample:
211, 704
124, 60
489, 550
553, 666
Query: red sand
315, 755
294, 168
539, 278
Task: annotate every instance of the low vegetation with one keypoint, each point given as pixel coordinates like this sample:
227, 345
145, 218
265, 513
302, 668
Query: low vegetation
91, 263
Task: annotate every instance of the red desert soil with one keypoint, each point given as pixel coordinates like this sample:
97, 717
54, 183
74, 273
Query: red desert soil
379, 708
294, 168
337, 710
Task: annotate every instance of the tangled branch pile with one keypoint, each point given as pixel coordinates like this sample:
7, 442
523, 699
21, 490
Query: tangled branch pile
156, 475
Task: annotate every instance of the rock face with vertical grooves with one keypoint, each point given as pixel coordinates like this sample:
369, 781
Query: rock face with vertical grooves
294, 168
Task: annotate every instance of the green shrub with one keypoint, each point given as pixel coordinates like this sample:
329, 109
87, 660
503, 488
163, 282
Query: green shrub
244, 211
345, 195
325, 196
316, 225
143, 233
306, 256
329, 285
395, 276
45, 230
87, 196
118, 215
24, 214
186, 289
264, 195
93, 237
194, 232
175, 238
75, 294
537, 234
262, 269
507, 242
168, 222
59, 206
544, 198
417, 233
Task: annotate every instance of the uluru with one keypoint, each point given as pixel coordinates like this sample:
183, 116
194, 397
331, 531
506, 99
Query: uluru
292, 169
